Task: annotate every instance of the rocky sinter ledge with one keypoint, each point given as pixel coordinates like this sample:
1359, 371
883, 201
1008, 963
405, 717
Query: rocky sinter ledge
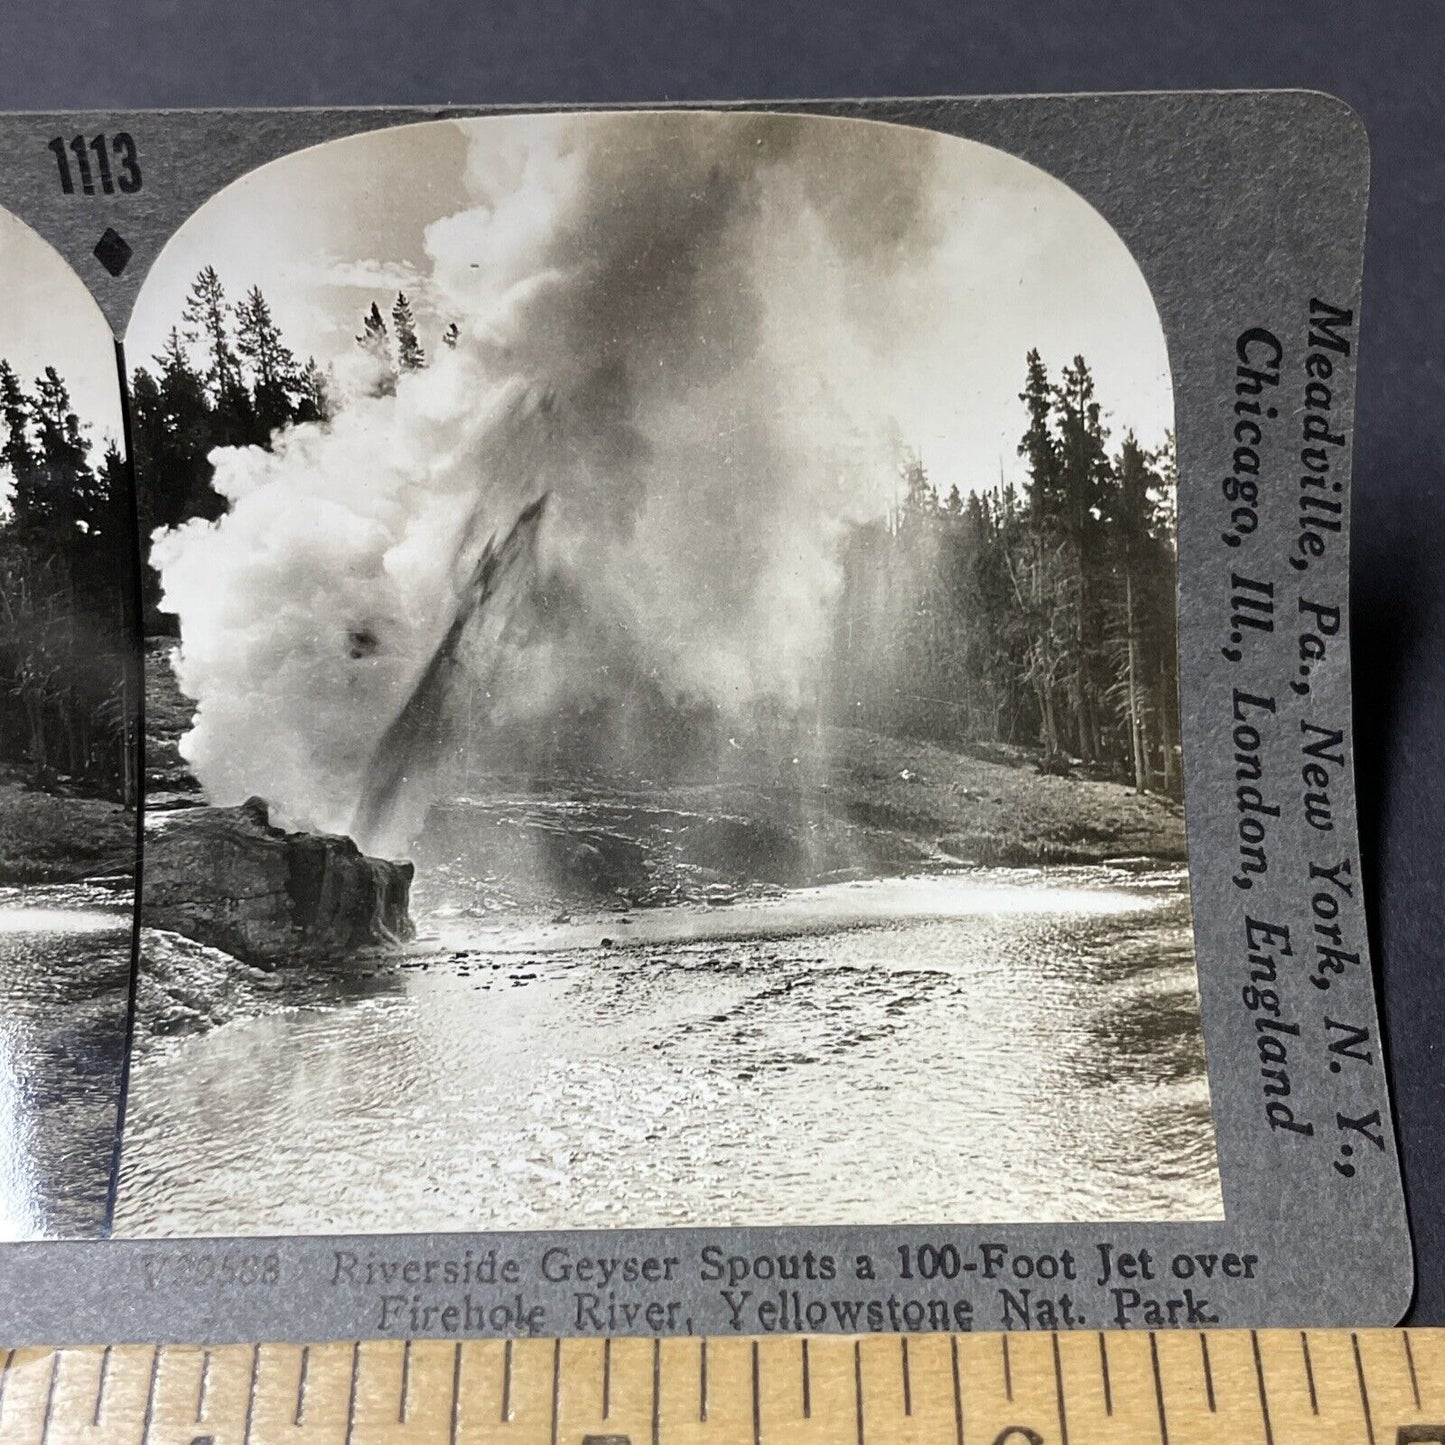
227, 878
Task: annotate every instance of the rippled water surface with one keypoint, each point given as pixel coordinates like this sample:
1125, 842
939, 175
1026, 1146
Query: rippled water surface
992, 1045
64, 981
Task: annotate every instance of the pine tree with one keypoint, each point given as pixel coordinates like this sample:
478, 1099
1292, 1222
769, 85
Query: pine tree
409, 353
60, 493
1130, 518
194, 428
1032, 572
275, 382
919, 498
174, 427
1083, 479
376, 343
1039, 447
206, 318
16, 453
314, 400
1162, 604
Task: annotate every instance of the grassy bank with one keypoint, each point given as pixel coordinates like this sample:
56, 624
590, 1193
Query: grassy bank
996, 810
61, 838
843, 804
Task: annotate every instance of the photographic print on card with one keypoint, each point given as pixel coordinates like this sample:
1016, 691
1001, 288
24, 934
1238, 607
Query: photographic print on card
662, 692
69, 745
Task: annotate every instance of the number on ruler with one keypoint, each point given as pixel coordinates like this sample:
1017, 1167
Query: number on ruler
124, 176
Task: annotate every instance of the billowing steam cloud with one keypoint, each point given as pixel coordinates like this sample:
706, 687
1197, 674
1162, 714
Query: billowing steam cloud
672, 327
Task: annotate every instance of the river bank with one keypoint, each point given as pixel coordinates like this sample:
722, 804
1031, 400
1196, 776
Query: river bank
61, 837
854, 805
789, 809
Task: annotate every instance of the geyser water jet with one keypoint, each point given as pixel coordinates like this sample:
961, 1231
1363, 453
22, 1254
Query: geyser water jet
417, 740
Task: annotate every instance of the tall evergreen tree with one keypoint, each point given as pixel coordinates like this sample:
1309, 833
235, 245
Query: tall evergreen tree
314, 399
376, 343
59, 492
174, 428
1130, 518
206, 318
1083, 480
409, 353
16, 452
1033, 569
275, 382
194, 427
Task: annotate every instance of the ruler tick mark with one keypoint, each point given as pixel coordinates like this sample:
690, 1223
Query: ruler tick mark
506, 1381
757, 1402
1059, 1387
5, 1378
556, 1384
957, 1392
1208, 1372
405, 1382
656, 1390
1304, 1344
907, 1378
1410, 1365
456, 1390
203, 1385
100, 1386
702, 1380
351, 1397
1364, 1393
1158, 1388
50, 1397
858, 1386
251, 1392
1104, 1373
807, 1385
1263, 1394
1008, 1374
145, 1429
607, 1377
301, 1385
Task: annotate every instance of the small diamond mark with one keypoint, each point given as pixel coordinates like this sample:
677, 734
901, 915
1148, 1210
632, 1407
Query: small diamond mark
112, 252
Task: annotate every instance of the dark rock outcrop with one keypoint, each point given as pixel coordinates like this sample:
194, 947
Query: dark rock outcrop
226, 877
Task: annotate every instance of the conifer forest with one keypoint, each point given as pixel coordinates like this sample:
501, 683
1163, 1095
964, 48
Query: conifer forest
973, 613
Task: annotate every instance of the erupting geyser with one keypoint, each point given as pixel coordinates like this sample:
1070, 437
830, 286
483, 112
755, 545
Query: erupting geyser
416, 742
666, 325
692, 332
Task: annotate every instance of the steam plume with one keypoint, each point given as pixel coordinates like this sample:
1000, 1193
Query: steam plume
672, 327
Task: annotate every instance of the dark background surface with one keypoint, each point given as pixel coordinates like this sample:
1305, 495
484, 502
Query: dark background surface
1385, 60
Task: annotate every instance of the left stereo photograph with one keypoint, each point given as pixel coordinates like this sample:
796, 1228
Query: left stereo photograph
69, 749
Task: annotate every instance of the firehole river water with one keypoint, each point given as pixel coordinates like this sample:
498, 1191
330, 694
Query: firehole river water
981, 1045
64, 987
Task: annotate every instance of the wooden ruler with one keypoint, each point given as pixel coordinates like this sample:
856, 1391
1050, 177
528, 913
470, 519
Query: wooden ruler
1231, 1387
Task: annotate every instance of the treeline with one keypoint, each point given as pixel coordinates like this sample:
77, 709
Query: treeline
69, 671
226, 377
1043, 618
